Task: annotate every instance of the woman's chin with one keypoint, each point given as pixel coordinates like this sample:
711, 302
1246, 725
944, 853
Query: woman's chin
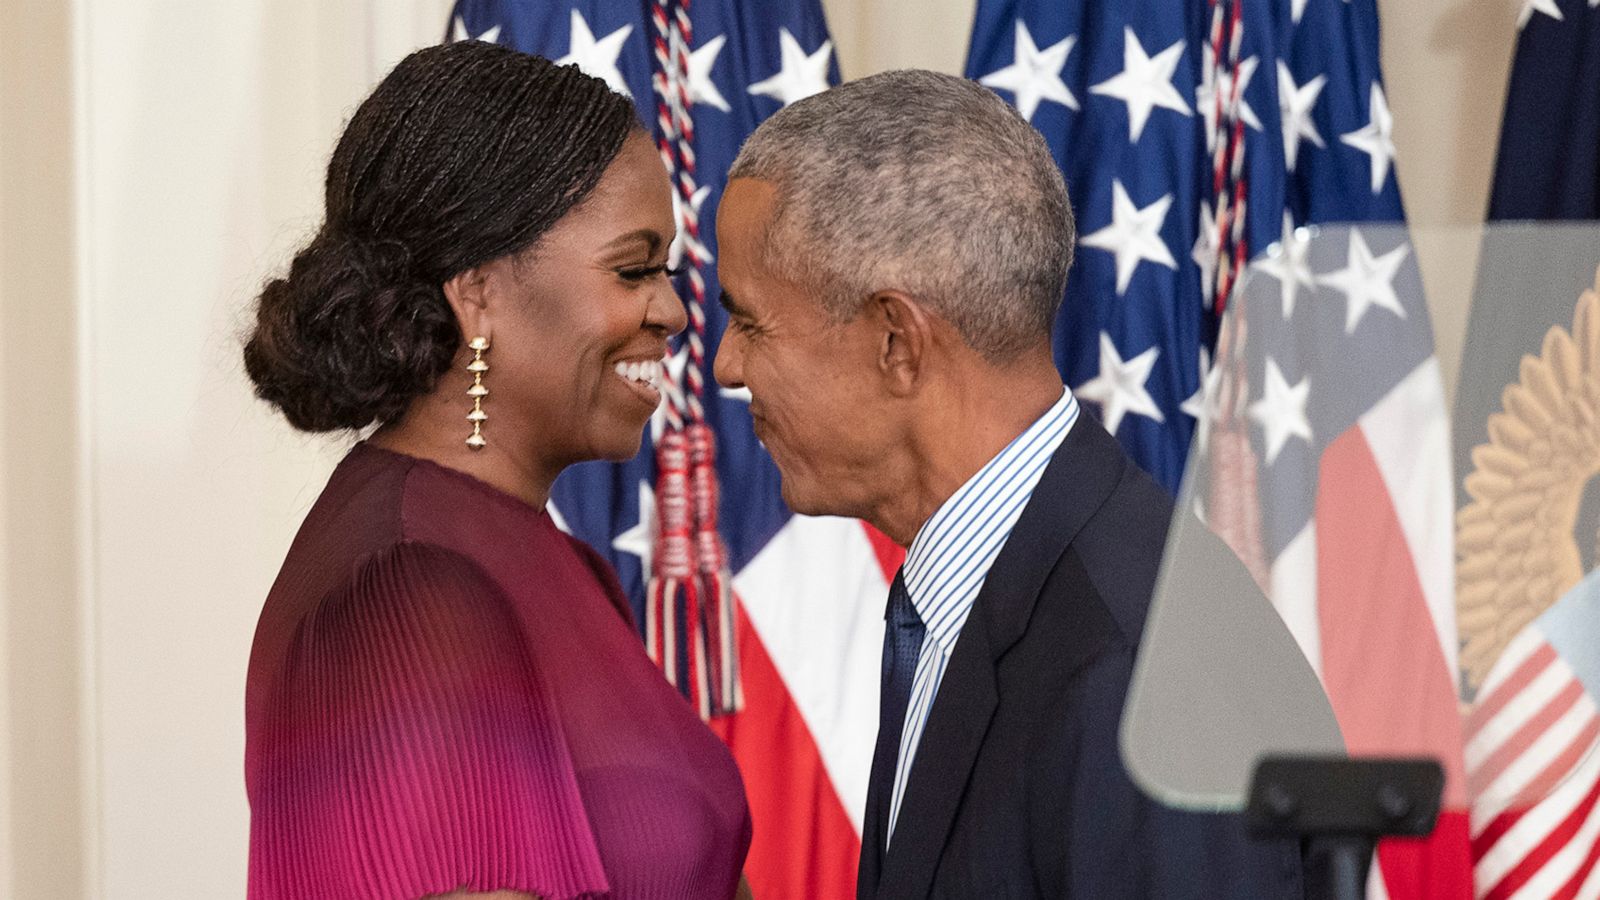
623, 445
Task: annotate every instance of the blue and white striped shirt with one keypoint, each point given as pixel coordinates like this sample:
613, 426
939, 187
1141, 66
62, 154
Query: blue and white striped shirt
950, 559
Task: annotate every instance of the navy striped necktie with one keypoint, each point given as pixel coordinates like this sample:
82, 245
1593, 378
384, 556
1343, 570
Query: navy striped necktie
902, 642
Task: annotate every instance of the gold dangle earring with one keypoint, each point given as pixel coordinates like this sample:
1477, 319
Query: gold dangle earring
477, 392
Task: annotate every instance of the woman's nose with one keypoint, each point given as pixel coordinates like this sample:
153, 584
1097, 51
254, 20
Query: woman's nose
666, 311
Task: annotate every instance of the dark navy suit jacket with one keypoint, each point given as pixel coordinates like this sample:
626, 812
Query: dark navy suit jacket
1018, 789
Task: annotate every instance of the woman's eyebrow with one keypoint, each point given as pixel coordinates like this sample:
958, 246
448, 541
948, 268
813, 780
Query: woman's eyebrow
649, 236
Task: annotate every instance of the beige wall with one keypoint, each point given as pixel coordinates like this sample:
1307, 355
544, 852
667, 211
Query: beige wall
877, 35
1446, 63
43, 717
157, 159
205, 129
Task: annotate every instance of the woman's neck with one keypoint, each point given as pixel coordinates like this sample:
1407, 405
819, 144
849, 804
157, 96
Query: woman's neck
505, 462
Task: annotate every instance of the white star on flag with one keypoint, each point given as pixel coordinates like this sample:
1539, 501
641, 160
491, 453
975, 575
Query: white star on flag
1286, 261
676, 364
1217, 88
597, 58
1547, 7
1205, 403
1376, 138
1297, 8
1206, 245
1281, 411
1144, 83
702, 89
1035, 74
800, 75
1367, 281
1134, 235
640, 539
1120, 386
1295, 102
458, 32
683, 242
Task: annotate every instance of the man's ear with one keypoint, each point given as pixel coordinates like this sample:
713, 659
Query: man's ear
906, 339
467, 292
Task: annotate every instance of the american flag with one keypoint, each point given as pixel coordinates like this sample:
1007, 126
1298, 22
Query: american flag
1530, 616
1239, 155
1548, 167
810, 592
1532, 758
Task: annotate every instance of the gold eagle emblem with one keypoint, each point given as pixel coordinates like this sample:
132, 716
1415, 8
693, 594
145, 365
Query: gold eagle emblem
1516, 553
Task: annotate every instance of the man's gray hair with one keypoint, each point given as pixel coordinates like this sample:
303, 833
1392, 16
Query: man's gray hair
924, 183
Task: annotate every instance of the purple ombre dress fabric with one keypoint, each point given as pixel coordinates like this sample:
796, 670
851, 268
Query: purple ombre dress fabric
446, 692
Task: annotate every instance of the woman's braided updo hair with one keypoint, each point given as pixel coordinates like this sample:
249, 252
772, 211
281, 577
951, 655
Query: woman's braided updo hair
466, 152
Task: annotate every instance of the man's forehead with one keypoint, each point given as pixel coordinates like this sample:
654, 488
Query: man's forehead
744, 224
748, 202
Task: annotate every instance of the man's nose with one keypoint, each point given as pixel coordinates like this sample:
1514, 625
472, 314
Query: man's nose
728, 367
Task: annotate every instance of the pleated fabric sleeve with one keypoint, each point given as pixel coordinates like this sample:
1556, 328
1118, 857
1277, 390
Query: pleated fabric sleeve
412, 748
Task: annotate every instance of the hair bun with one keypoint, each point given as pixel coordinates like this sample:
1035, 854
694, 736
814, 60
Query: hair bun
350, 336
465, 153
381, 261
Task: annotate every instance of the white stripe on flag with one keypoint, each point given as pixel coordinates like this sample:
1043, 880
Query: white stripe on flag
1591, 886
1294, 592
1525, 644
1512, 785
815, 593
1377, 888
1410, 439
1525, 705
1560, 868
1535, 825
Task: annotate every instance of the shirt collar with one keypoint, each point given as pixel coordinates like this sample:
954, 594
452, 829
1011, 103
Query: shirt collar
951, 555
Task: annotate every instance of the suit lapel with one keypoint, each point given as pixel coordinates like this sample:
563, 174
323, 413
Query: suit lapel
870, 867
1078, 480
950, 742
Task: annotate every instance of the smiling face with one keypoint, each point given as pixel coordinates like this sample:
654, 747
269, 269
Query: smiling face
580, 321
817, 396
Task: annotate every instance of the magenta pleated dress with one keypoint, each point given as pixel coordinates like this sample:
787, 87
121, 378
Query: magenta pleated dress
446, 692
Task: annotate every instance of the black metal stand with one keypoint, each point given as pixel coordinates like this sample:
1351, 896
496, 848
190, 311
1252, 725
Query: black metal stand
1338, 808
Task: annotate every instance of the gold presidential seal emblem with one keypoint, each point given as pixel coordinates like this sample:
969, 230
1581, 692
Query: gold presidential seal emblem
1516, 547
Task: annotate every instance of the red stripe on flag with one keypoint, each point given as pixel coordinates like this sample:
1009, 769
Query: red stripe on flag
1496, 829
1378, 643
1507, 753
1438, 865
1575, 883
890, 555
804, 844
1559, 770
1490, 706
1550, 846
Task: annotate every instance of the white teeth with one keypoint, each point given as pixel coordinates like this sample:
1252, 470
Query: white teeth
647, 372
